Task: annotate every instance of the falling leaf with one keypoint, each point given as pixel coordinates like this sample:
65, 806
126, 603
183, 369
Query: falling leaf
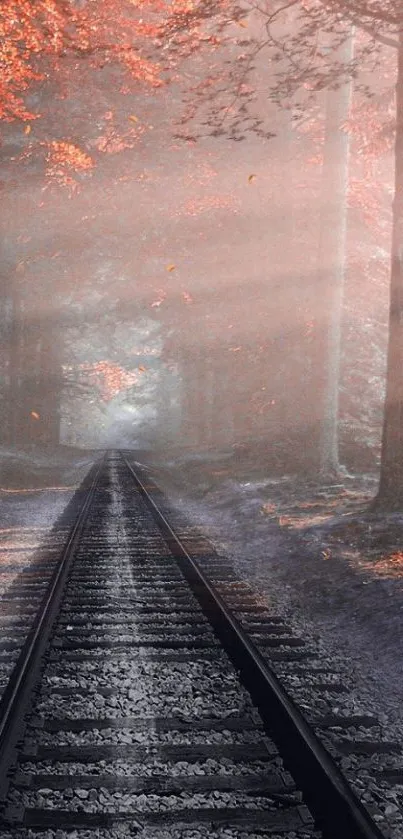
251, 178
243, 23
160, 299
133, 118
27, 129
142, 368
171, 267
235, 349
34, 415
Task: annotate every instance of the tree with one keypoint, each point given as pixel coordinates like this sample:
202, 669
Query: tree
311, 69
68, 69
384, 22
336, 51
390, 493
331, 270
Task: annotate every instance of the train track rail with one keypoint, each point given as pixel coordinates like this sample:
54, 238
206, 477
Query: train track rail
143, 703
26, 570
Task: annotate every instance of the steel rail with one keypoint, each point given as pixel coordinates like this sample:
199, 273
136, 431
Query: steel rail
16, 696
334, 805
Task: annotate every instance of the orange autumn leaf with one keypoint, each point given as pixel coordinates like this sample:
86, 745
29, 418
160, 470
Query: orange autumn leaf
65, 159
243, 23
142, 368
112, 142
34, 415
251, 178
50, 28
44, 39
209, 203
68, 154
109, 378
171, 267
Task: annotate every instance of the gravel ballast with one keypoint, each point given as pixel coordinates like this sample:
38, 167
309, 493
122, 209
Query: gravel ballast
118, 683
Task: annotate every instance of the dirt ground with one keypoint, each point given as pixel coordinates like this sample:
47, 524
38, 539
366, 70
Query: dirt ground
316, 551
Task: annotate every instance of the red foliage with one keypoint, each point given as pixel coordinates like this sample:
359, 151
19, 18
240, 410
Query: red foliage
67, 44
109, 378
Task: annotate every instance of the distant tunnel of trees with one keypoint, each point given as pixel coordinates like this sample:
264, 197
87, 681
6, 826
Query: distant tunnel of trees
230, 391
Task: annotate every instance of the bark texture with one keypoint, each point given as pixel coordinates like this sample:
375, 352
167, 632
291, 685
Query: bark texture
331, 272
390, 493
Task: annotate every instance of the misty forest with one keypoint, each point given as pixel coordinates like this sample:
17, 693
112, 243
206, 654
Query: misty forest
202, 262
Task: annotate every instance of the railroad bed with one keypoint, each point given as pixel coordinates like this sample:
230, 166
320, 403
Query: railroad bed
144, 703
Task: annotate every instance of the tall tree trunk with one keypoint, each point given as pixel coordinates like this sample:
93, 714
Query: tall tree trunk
331, 271
390, 493
207, 396
48, 387
15, 432
223, 413
35, 379
191, 397
6, 294
167, 407
199, 395
287, 197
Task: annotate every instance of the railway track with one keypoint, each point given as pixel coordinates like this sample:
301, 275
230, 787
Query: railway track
25, 573
142, 702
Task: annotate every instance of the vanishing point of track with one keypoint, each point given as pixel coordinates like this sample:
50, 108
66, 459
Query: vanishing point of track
140, 700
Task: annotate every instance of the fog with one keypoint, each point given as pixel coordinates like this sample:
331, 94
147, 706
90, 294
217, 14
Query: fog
182, 283
172, 289
199, 272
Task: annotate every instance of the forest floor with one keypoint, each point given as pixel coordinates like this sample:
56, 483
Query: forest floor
334, 568
35, 487
316, 552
